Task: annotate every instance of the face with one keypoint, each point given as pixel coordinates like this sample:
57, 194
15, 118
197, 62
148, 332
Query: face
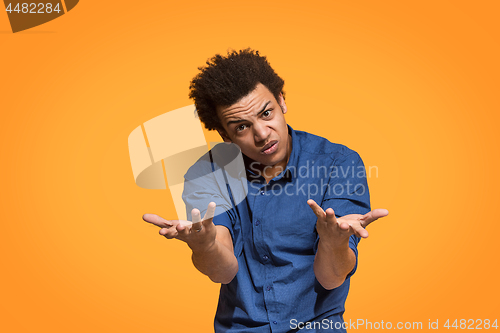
256, 123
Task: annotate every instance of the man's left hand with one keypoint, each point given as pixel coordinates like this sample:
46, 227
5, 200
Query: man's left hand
339, 229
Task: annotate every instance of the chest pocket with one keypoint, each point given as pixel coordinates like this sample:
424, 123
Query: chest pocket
293, 229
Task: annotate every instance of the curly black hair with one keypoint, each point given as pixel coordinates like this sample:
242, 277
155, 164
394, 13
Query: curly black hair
225, 80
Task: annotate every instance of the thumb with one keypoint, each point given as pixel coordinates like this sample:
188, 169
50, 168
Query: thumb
373, 216
158, 220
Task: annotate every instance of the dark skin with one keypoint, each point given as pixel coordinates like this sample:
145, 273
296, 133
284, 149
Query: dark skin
334, 259
212, 245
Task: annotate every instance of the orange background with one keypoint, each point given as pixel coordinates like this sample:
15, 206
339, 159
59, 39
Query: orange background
412, 86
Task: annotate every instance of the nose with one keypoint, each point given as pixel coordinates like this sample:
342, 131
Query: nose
261, 132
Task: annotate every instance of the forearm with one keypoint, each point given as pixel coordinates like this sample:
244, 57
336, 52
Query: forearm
218, 263
332, 264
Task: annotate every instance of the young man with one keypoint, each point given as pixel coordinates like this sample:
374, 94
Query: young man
284, 254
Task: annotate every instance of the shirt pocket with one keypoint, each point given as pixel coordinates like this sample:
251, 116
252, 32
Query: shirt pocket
296, 230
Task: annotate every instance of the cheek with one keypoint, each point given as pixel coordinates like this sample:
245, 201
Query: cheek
280, 127
245, 144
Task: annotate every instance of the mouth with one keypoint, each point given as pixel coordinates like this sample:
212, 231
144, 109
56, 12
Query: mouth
270, 148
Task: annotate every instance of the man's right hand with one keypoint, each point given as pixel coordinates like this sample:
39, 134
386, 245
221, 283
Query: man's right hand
212, 245
198, 234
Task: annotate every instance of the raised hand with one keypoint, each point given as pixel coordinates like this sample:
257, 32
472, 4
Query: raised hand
331, 228
334, 259
199, 234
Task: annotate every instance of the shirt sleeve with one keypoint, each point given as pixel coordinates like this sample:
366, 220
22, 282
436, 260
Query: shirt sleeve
353, 244
347, 193
204, 184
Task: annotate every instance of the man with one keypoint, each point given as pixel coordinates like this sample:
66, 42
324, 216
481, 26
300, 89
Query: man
284, 254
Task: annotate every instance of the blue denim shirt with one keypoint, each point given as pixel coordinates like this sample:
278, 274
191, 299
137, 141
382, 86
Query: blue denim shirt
274, 234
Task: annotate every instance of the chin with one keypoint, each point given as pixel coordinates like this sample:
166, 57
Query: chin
274, 159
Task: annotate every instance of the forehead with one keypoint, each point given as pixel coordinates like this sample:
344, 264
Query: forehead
247, 106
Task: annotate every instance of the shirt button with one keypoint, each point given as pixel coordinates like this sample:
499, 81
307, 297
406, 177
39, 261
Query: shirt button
262, 192
275, 322
265, 257
257, 223
268, 288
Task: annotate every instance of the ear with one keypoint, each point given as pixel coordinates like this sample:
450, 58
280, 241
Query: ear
224, 136
281, 102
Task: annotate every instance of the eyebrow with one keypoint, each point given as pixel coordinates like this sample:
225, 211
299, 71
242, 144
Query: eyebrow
242, 120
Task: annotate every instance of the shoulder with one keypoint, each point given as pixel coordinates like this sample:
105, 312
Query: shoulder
312, 144
202, 166
222, 155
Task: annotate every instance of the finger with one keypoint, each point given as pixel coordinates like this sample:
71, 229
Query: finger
330, 216
197, 222
157, 220
209, 215
195, 215
169, 233
197, 227
183, 230
373, 216
344, 226
320, 213
359, 230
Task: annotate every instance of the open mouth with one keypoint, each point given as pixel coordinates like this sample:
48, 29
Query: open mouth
270, 148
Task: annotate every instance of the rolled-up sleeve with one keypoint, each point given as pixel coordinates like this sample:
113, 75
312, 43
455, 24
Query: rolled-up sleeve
204, 184
348, 193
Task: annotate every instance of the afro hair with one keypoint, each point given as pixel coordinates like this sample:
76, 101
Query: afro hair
226, 79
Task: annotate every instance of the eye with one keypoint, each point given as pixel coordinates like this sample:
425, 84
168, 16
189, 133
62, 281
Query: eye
241, 128
266, 113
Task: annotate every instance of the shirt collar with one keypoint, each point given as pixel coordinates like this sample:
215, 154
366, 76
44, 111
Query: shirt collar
294, 156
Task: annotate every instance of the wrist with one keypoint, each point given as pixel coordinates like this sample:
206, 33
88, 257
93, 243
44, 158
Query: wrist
204, 248
333, 246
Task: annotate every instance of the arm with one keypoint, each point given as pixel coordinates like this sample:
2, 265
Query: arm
218, 261
332, 263
211, 245
334, 259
